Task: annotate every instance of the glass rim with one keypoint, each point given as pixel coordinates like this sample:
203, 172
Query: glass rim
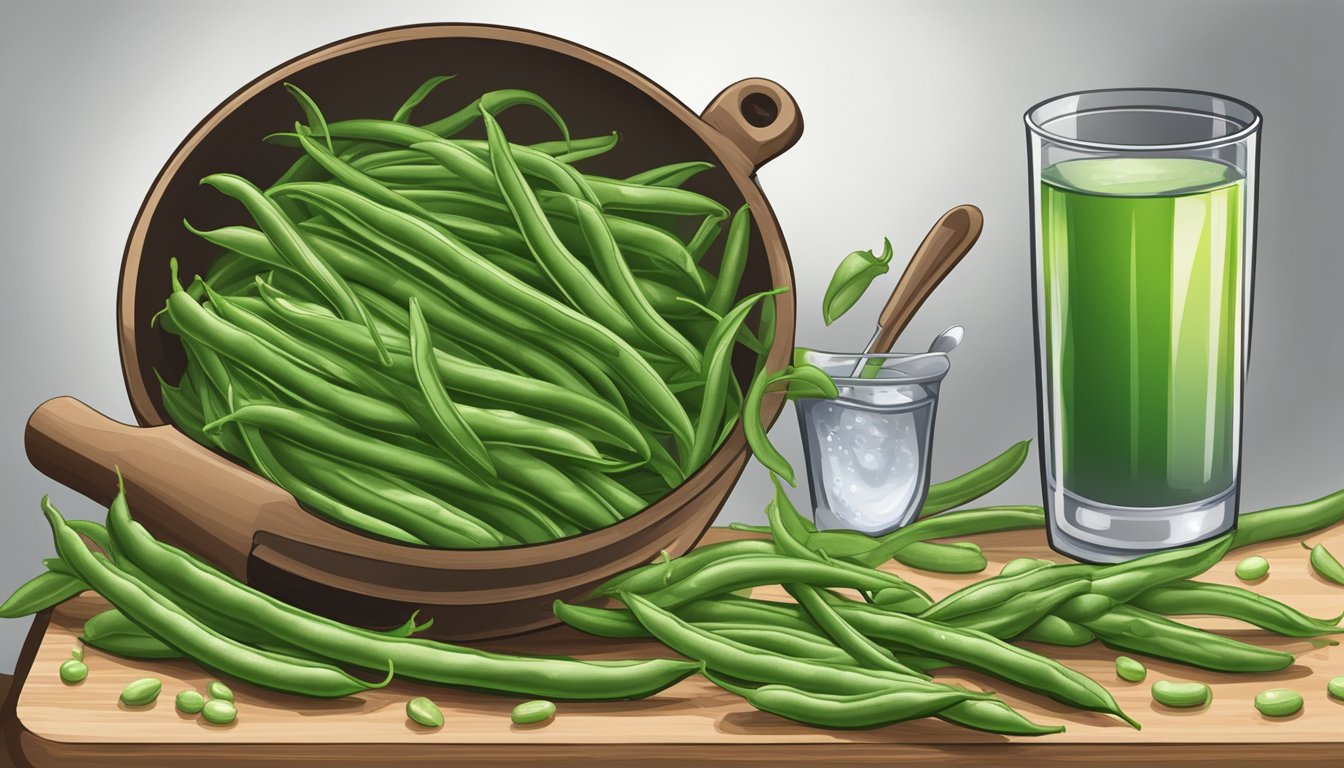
1248, 129
886, 356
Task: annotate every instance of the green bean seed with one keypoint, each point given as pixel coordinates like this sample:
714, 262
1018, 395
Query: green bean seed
219, 712
1278, 702
424, 712
1325, 563
73, 671
1336, 687
1252, 568
77, 653
533, 712
1181, 695
141, 692
1129, 669
190, 702
218, 690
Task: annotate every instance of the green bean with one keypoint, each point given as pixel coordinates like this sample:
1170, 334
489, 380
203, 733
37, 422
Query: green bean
781, 640
733, 263
786, 525
1278, 702
1336, 687
73, 671
532, 712
989, 593
966, 523
718, 374
728, 657
261, 458
282, 234
1123, 581
1252, 568
194, 639
337, 440
977, 482
1020, 612
218, 690
1023, 564
1056, 631
583, 290
615, 273
843, 634
142, 692
978, 651
204, 328
189, 702
656, 246
1325, 563
403, 113
673, 175
317, 123
455, 434
608, 622
1181, 695
953, 557
568, 500
1288, 522
112, 632
422, 711
656, 575
757, 570
1130, 670
434, 521
495, 102
219, 712
866, 710
40, 593
415, 658
1192, 598
578, 149
1085, 607
538, 165
1127, 628
464, 204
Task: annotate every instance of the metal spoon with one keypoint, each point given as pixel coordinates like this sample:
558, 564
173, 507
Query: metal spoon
942, 249
948, 340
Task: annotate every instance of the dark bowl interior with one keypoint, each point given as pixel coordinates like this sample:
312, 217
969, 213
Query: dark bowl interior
373, 82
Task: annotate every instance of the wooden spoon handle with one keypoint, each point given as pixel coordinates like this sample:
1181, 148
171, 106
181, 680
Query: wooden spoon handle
184, 493
949, 239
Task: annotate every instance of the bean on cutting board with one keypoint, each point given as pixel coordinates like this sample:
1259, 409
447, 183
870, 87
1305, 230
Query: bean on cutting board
1181, 694
141, 692
1252, 568
1278, 702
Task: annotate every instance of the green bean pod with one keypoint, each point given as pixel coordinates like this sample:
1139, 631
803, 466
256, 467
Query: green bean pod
1325, 563
1292, 521
659, 574
1193, 598
992, 592
871, 710
40, 593
673, 175
195, 640
757, 570
1127, 628
843, 634
1053, 630
415, 658
977, 482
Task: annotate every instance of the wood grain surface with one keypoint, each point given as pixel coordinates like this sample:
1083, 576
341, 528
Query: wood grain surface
694, 722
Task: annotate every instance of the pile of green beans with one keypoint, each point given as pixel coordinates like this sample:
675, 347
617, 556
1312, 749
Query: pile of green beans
168, 604
461, 342
795, 659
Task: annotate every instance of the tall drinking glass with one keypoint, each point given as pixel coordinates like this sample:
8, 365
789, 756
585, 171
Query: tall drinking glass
1143, 213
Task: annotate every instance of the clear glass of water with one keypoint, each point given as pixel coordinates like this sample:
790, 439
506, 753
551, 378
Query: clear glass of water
1143, 216
868, 450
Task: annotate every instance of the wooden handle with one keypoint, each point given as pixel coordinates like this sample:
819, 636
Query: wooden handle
182, 492
758, 116
942, 249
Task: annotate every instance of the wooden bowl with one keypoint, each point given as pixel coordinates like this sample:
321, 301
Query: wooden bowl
191, 496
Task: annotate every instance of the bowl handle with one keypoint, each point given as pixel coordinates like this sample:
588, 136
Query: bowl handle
758, 116
167, 478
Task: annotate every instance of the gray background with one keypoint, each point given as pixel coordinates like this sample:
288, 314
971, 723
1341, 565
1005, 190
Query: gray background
911, 108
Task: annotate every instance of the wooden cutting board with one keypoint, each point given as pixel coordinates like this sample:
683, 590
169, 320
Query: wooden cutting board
692, 722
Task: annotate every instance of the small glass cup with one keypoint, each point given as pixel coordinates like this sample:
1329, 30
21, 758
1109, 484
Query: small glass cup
868, 450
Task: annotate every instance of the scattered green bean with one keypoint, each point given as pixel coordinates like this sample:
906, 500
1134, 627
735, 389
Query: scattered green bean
1192, 598
189, 702
423, 712
1325, 563
142, 692
533, 712
1252, 568
1130, 670
73, 671
1336, 687
1181, 695
1278, 702
218, 690
219, 712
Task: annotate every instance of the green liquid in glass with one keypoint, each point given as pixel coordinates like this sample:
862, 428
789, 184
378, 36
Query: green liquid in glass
1141, 262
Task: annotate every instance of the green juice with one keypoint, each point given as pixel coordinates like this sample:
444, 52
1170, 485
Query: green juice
1142, 298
